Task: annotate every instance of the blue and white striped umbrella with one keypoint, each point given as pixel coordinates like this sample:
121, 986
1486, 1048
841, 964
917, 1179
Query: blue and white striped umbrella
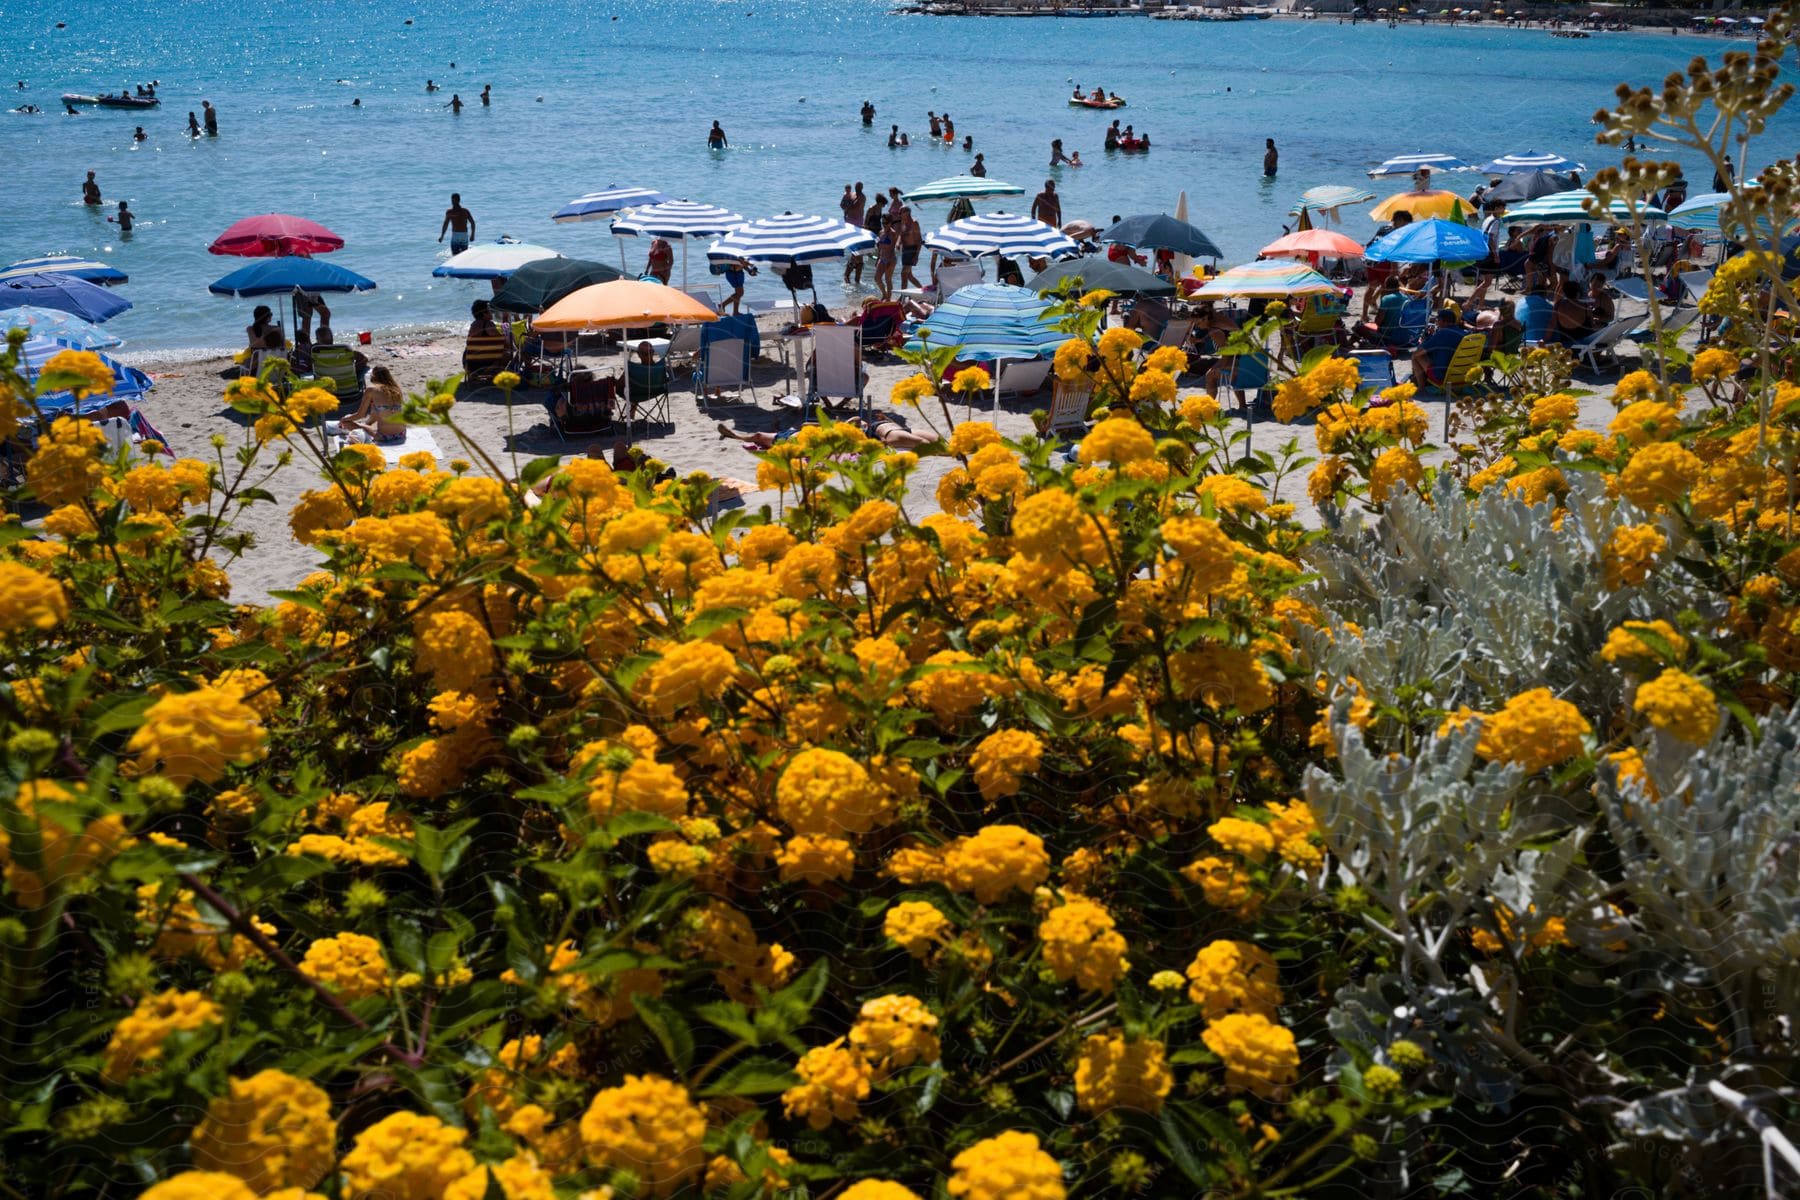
67, 264
129, 383
1406, 164
791, 238
1002, 234
54, 323
677, 219
964, 187
597, 205
1706, 211
991, 321
1527, 161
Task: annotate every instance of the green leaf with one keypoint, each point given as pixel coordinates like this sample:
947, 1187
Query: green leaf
732, 1017
752, 1077
537, 469
713, 620
120, 712
279, 873
670, 1029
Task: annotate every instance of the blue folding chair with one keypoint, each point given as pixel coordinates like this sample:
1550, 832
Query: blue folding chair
1376, 368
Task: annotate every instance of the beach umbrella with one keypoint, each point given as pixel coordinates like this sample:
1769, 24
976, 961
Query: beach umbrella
598, 205
964, 187
1160, 231
1572, 206
1429, 203
991, 321
67, 264
1406, 164
53, 322
791, 238
270, 235
539, 284
682, 219
129, 383
496, 260
1001, 234
1707, 210
64, 293
279, 276
1313, 243
623, 304
1184, 263
1516, 189
1271, 277
1527, 161
1429, 241
1328, 198
1094, 272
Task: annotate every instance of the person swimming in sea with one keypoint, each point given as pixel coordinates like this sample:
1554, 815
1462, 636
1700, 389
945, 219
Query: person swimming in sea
125, 219
140, 135
715, 138
456, 104
430, 86
896, 139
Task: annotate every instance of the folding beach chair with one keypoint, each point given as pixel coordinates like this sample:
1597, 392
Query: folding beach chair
1069, 406
647, 392
485, 356
1599, 344
1463, 369
1633, 289
338, 364
1535, 313
954, 276
837, 370
1175, 333
1375, 367
1021, 378
724, 363
585, 406
1246, 373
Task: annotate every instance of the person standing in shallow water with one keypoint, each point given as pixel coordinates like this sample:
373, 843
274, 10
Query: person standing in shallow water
1271, 157
211, 118
460, 223
715, 138
90, 191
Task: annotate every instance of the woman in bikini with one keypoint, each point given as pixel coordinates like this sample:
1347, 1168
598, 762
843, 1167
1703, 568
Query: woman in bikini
381, 403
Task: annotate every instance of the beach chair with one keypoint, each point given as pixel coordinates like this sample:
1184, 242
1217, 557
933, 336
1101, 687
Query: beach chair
1022, 378
1632, 289
585, 405
880, 322
1535, 313
1695, 283
837, 370
684, 344
1376, 368
485, 356
338, 364
647, 392
1672, 322
1463, 370
1599, 344
1069, 407
1175, 333
1246, 373
1411, 326
705, 295
724, 363
955, 276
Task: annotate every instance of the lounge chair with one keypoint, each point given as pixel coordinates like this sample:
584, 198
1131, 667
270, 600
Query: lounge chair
837, 370
954, 277
338, 364
1600, 343
485, 356
1375, 367
1069, 407
1695, 283
1022, 378
1632, 289
880, 322
1175, 333
724, 363
1672, 322
647, 392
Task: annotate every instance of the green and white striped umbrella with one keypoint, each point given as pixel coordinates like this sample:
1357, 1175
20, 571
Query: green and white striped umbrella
964, 187
1572, 206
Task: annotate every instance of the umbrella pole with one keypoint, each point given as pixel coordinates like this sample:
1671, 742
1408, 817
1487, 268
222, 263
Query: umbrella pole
625, 379
684, 281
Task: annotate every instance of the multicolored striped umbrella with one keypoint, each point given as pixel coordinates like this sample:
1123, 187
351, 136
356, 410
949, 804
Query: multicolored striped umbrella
1274, 277
791, 238
964, 187
1572, 206
596, 205
54, 323
67, 264
1002, 234
991, 321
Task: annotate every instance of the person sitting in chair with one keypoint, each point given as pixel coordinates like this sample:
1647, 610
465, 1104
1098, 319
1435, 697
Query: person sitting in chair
587, 404
645, 378
487, 351
1432, 358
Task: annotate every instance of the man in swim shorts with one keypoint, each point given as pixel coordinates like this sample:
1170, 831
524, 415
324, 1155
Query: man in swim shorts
460, 223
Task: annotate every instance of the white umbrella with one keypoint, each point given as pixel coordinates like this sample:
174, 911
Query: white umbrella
497, 260
1183, 263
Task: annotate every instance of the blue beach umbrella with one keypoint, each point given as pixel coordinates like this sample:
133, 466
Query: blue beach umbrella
1527, 161
1434, 240
791, 238
1406, 164
1003, 235
599, 205
67, 264
991, 321
278, 276
1569, 207
53, 322
1707, 212
129, 383
63, 292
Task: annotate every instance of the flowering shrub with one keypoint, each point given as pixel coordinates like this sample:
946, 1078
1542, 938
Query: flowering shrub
1087, 828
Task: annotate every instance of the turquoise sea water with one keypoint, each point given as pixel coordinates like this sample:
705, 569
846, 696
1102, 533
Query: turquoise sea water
583, 100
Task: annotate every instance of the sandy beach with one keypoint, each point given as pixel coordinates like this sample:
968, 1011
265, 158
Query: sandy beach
187, 407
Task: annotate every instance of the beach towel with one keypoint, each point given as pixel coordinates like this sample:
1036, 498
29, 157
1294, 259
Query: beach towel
141, 426
418, 437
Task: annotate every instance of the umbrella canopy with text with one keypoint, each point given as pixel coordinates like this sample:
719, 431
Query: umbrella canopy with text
623, 304
537, 285
270, 235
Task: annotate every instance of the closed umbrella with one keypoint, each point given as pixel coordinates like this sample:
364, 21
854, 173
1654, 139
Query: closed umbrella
988, 322
129, 383
1160, 231
1095, 272
272, 234
681, 219
64, 293
1429, 241
1003, 235
1516, 189
537, 285
279, 276
964, 187
1313, 244
1272, 277
1569, 207
1183, 263
67, 264
497, 260
596, 206
1527, 161
1429, 203
55, 323
1407, 164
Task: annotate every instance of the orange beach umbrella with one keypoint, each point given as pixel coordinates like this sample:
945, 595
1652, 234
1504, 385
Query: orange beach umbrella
1307, 243
623, 304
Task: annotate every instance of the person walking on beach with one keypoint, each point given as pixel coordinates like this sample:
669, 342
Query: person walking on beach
715, 139
979, 167
90, 191
460, 223
1271, 157
912, 241
1047, 205
211, 118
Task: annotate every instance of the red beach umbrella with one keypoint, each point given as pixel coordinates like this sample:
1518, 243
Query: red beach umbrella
274, 234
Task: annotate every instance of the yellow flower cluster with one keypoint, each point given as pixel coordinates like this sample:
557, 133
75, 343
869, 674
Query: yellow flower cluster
1535, 730
406, 1156
1003, 760
30, 600
1260, 1056
1679, 705
1233, 977
353, 965
137, 1040
270, 1130
1115, 1073
1081, 942
1008, 1166
650, 1127
996, 860
833, 1079
915, 926
895, 1031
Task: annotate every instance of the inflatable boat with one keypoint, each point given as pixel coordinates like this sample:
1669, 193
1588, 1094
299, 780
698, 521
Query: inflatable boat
73, 98
1088, 102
